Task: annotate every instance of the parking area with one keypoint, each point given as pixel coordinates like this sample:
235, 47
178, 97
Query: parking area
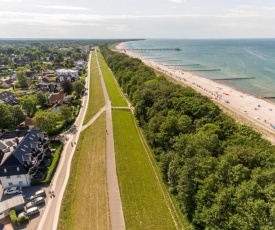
34, 220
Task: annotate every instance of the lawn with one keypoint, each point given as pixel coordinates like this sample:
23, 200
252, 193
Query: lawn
96, 97
112, 88
145, 203
85, 202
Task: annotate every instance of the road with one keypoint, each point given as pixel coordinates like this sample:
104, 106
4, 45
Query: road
116, 212
50, 217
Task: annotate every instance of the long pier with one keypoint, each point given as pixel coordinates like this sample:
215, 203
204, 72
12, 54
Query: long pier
159, 49
168, 60
236, 78
183, 65
197, 70
267, 97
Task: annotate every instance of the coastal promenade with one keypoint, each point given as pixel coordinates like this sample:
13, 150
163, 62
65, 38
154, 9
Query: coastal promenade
50, 217
252, 110
116, 212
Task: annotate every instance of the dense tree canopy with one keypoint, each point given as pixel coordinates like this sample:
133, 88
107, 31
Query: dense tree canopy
11, 116
222, 173
22, 79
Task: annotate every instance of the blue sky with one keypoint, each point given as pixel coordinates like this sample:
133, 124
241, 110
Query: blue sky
137, 19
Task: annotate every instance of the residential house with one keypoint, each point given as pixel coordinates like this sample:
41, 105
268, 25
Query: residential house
66, 74
12, 102
30, 73
56, 98
6, 83
23, 60
21, 153
46, 86
47, 72
8, 98
3, 69
29, 123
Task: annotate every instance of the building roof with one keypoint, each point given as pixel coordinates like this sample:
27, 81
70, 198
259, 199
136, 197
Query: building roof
28, 121
13, 101
8, 81
45, 80
14, 163
2, 146
56, 97
6, 95
11, 203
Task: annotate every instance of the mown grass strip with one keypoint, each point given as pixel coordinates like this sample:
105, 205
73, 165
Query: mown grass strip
85, 202
112, 88
96, 97
143, 203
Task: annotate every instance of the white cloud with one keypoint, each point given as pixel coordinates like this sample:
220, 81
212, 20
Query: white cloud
63, 7
268, 8
176, 1
88, 19
10, 0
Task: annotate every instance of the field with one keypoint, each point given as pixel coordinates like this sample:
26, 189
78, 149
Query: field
85, 202
113, 90
144, 204
96, 98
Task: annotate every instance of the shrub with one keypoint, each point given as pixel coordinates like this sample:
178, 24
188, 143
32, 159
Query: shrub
13, 216
22, 219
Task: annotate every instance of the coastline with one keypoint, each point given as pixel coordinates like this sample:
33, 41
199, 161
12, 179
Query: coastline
260, 112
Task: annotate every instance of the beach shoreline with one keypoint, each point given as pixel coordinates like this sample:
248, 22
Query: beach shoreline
259, 111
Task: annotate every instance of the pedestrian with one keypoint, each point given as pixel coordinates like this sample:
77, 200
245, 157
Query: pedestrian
53, 193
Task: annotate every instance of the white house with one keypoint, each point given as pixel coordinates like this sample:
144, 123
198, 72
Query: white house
21, 153
68, 74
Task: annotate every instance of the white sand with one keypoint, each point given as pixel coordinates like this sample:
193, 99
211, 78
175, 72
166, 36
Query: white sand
259, 111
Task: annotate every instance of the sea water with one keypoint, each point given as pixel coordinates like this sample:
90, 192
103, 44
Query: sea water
231, 58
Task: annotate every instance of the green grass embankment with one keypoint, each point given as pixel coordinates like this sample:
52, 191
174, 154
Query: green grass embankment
144, 204
96, 97
85, 202
112, 88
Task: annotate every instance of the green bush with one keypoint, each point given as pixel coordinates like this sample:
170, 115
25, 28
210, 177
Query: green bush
13, 216
22, 219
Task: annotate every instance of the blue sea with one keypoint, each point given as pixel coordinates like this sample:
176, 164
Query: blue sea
231, 58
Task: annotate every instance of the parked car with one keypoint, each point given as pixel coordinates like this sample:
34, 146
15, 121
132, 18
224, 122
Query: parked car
29, 212
37, 194
13, 190
36, 201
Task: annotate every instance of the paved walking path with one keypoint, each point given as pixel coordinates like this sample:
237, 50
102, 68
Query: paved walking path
50, 217
121, 107
116, 212
94, 118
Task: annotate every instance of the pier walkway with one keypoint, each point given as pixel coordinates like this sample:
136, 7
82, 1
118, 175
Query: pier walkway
234, 78
159, 49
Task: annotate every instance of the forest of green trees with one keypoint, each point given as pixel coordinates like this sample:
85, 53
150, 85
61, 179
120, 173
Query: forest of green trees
221, 173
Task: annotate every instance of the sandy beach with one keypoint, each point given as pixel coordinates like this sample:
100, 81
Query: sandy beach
259, 111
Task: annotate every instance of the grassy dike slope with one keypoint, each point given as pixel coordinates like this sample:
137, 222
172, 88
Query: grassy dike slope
96, 97
144, 205
112, 88
85, 202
